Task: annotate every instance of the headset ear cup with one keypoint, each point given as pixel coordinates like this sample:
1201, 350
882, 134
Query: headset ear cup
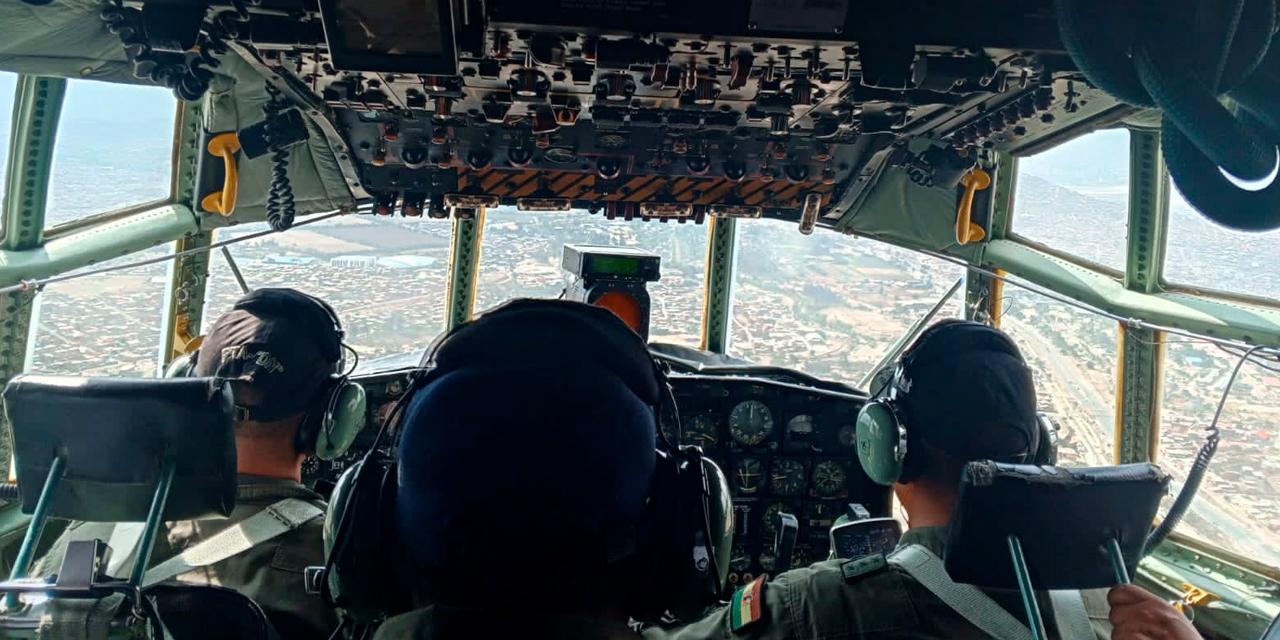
183, 365
879, 434
1046, 450
344, 418
359, 578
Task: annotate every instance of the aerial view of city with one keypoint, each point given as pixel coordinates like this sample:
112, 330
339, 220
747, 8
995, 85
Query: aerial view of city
827, 304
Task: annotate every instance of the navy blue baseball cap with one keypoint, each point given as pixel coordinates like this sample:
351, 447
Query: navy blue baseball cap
967, 391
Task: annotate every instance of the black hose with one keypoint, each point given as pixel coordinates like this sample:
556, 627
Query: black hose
9, 491
1225, 50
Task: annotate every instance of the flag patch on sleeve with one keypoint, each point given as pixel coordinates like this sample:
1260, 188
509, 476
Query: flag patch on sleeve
747, 606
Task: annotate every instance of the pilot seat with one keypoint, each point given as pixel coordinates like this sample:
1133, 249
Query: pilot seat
121, 450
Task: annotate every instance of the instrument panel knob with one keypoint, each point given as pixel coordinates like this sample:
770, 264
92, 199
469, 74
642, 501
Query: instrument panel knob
608, 168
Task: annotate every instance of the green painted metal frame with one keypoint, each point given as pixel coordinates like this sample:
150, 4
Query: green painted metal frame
717, 303
33, 130
36, 107
1142, 350
464, 266
188, 274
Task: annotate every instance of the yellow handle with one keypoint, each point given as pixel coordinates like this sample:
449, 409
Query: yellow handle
224, 201
966, 230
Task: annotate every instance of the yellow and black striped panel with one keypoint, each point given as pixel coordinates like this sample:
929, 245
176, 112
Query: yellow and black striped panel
516, 183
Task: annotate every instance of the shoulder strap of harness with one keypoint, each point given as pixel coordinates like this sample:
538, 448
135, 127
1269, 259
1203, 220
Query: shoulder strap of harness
979, 609
278, 519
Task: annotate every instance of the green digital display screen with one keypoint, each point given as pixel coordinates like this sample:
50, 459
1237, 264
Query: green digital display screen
615, 265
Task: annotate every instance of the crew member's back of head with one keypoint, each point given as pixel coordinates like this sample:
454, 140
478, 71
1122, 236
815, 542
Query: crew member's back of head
529, 476
961, 392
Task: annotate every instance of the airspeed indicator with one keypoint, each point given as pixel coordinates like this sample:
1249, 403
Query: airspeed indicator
750, 422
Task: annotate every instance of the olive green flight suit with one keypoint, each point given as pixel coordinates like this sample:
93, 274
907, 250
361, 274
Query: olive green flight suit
270, 573
862, 598
449, 623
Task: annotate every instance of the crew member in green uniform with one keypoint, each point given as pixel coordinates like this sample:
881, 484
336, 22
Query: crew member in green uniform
532, 499
279, 348
963, 393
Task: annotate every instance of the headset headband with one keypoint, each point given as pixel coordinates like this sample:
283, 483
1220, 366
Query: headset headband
584, 333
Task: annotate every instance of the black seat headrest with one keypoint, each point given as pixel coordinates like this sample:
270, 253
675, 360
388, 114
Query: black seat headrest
113, 434
1063, 518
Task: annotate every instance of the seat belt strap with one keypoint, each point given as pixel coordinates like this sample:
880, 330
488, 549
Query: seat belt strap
965, 599
279, 518
1070, 616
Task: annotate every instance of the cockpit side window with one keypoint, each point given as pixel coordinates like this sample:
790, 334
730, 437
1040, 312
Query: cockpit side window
1237, 507
1074, 198
114, 150
8, 84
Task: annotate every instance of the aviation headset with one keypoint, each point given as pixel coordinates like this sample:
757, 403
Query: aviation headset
678, 555
328, 432
883, 435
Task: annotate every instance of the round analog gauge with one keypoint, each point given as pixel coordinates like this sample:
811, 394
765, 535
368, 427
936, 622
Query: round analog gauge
787, 477
848, 435
741, 560
311, 467
699, 430
828, 477
768, 561
750, 422
800, 424
771, 519
748, 475
801, 556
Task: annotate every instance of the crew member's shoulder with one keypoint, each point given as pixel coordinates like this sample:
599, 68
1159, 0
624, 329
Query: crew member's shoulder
301, 548
830, 599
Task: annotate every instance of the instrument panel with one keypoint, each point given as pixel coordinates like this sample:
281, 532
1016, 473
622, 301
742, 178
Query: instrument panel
785, 448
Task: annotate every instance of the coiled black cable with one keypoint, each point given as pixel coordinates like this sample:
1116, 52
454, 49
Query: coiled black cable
9, 491
280, 209
126, 23
212, 41
1187, 74
1198, 468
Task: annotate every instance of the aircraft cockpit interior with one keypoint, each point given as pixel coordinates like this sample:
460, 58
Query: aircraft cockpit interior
779, 196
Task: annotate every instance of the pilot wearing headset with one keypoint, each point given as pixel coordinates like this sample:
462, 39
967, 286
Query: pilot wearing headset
282, 351
962, 392
531, 495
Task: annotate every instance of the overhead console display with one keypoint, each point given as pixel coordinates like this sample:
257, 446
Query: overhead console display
410, 36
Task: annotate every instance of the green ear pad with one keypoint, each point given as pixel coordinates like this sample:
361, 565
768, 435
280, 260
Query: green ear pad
181, 366
349, 411
878, 436
720, 516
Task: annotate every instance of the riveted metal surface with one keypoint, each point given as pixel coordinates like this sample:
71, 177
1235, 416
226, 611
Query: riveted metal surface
982, 297
184, 302
464, 263
36, 107
1148, 212
186, 153
722, 247
15, 331
1139, 388
1006, 183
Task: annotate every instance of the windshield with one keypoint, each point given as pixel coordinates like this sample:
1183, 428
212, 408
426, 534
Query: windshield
385, 276
828, 304
521, 257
